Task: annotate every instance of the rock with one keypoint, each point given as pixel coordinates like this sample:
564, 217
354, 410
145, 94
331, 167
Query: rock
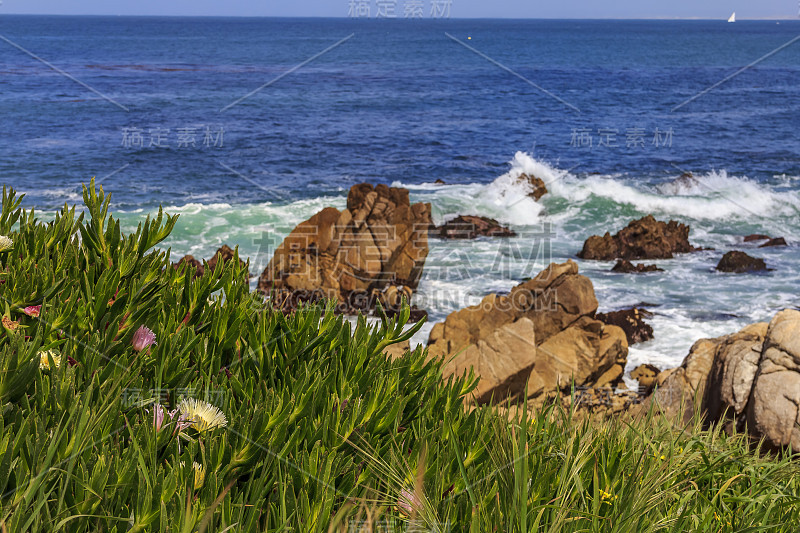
471, 227
397, 351
537, 185
773, 411
558, 340
440, 182
632, 323
756, 237
780, 241
646, 376
739, 262
198, 267
224, 254
646, 238
626, 267
500, 359
379, 240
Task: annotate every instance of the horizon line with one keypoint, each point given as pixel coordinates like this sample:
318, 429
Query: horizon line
769, 18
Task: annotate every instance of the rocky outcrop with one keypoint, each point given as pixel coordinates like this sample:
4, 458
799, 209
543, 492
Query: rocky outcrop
739, 262
756, 237
773, 411
542, 332
646, 238
778, 241
749, 380
471, 227
632, 323
351, 256
626, 267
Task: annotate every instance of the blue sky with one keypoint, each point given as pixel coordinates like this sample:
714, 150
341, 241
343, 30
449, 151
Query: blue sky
459, 8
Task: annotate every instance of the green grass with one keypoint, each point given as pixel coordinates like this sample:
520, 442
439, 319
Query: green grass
323, 432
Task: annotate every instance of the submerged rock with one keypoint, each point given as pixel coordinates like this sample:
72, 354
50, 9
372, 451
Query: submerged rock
739, 262
626, 267
471, 227
778, 241
646, 238
756, 237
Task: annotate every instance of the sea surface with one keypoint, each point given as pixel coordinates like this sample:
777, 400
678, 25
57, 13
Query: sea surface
187, 113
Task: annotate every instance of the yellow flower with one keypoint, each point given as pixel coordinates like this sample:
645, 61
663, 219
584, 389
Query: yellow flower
44, 361
201, 415
199, 475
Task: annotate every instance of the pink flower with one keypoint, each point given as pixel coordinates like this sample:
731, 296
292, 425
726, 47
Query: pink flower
33, 310
158, 417
408, 502
143, 338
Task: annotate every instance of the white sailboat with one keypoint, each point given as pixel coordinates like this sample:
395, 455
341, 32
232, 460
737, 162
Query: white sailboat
733, 17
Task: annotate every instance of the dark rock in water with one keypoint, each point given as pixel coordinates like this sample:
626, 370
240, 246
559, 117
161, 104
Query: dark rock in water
626, 267
471, 227
756, 237
440, 182
646, 376
198, 267
779, 241
739, 262
416, 315
538, 188
646, 238
632, 323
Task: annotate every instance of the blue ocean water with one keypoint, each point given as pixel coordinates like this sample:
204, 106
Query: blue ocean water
610, 113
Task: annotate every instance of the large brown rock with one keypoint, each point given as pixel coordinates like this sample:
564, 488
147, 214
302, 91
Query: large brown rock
774, 408
646, 238
548, 322
536, 185
632, 323
379, 240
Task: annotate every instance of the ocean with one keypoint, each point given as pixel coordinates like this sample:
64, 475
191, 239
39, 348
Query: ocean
187, 113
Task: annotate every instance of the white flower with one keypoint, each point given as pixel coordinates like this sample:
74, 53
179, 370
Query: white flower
202, 415
5, 243
44, 361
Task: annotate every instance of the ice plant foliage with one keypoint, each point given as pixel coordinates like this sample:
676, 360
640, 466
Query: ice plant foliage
143, 338
202, 415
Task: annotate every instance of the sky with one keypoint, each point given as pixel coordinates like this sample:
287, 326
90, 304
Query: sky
714, 9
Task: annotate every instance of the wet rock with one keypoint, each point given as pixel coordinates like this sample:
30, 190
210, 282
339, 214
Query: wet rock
739, 262
224, 254
756, 237
536, 184
779, 241
632, 323
440, 182
626, 267
471, 227
646, 238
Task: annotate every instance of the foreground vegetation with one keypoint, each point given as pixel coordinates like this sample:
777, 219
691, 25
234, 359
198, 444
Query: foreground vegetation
137, 398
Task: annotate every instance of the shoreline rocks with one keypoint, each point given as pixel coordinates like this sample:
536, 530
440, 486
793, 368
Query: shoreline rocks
645, 238
543, 332
224, 254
